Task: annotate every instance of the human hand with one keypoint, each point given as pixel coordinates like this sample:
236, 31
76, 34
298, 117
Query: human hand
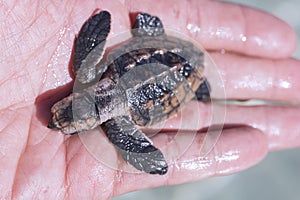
36, 45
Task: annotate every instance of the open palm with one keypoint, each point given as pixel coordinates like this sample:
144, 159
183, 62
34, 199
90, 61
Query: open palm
36, 43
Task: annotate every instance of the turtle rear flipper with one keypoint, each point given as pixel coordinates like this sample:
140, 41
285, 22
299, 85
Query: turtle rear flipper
203, 91
147, 25
134, 147
89, 47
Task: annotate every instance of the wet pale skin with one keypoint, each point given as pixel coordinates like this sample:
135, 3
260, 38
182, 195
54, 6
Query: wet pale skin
38, 163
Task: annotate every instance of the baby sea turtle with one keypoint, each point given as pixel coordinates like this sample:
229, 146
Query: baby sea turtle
119, 98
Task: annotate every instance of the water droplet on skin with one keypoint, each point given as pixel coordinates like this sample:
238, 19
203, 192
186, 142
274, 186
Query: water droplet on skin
259, 126
222, 33
193, 28
222, 51
171, 126
284, 84
258, 41
196, 164
228, 156
243, 38
274, 130
254, 83
118, 175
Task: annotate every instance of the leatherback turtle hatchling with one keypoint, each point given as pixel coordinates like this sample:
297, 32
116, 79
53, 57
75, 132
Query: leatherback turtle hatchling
171, 73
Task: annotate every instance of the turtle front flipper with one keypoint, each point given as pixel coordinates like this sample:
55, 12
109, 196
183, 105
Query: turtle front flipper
89, 47
134, 147
147, 25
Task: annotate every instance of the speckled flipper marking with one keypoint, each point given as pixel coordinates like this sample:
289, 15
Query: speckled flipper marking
134, 147
147, 25
89, 46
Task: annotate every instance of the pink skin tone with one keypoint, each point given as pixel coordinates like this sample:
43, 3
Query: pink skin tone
36, 162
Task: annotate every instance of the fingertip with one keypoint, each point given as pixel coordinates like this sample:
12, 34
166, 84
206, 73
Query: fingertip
236, 149
239, 149
268, 35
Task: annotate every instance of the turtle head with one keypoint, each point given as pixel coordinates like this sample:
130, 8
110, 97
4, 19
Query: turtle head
74, 114
88, 108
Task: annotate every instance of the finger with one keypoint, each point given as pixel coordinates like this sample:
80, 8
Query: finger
280, 124
254, 78
220, 25
236, 150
